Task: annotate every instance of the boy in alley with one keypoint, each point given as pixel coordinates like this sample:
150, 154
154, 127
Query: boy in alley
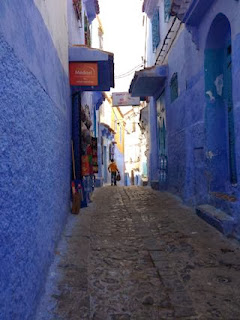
113, 169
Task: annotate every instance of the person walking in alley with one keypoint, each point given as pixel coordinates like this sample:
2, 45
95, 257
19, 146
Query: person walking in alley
113, 169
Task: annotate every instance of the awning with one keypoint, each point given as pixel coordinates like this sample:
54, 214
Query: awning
90, 69
149, 82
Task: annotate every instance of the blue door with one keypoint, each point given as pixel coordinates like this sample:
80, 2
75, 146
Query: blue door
219, 117
161, 138
229, 102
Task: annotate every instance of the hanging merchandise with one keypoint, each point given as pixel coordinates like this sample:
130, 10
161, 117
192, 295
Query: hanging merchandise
86, 117
83, 115
88, 123
85, 166
76, 189
94, 155
90, 157
85, 138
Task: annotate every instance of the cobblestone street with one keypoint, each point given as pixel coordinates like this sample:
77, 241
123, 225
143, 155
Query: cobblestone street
139, 254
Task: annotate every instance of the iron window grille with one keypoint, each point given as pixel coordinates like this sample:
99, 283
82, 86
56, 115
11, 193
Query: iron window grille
167, 9
155, 30
87, 33
174, 87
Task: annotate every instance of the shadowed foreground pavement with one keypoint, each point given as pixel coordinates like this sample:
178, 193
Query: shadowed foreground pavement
138, 254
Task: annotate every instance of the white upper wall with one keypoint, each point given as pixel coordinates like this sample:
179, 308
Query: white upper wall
76, 27
106, 113
164, 27
54, 13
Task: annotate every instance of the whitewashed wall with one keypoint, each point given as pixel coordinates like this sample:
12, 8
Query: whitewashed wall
54, 14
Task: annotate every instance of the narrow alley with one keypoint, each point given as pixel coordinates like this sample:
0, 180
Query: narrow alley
140, 254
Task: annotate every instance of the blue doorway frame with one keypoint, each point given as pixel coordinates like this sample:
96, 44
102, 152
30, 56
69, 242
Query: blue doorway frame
219, 113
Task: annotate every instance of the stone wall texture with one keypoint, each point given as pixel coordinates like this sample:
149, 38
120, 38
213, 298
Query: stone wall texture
35, 158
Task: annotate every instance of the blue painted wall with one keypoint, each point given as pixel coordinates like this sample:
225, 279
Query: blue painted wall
197, 127
153, 144
35, 158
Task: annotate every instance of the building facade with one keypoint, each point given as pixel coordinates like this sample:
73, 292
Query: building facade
194, 112
106, 141
39, 109
93, 74
35, 148
135, 148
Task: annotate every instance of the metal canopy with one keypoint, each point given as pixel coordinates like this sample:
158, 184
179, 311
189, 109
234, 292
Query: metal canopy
83, 53
149, 82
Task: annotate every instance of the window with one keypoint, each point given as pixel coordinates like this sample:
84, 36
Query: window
87, 32
155, 30
167, 10
174, 87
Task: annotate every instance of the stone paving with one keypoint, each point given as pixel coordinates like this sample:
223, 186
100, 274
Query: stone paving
139, 254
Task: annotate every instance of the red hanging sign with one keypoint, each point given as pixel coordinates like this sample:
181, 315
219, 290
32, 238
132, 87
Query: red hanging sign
83, 74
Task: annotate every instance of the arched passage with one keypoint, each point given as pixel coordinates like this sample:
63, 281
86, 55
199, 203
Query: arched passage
219, 122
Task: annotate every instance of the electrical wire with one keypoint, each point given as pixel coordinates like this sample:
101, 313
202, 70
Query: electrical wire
129, 72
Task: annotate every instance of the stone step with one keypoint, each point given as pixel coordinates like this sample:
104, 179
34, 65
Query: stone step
217, 218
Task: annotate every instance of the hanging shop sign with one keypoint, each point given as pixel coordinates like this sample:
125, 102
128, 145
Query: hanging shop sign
124, 99
83, 73
90, 69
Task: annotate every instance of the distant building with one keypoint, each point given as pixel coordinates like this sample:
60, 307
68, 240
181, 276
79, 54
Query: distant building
118, 125
135, 148
106, 141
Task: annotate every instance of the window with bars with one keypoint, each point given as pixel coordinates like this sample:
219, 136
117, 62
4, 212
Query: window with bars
155, 30
87, 33
174, 87
167, 9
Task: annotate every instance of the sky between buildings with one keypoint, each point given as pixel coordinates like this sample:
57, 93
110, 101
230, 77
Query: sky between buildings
122, 22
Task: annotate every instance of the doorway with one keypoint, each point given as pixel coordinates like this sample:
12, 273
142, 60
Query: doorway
162, 139
219, 117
